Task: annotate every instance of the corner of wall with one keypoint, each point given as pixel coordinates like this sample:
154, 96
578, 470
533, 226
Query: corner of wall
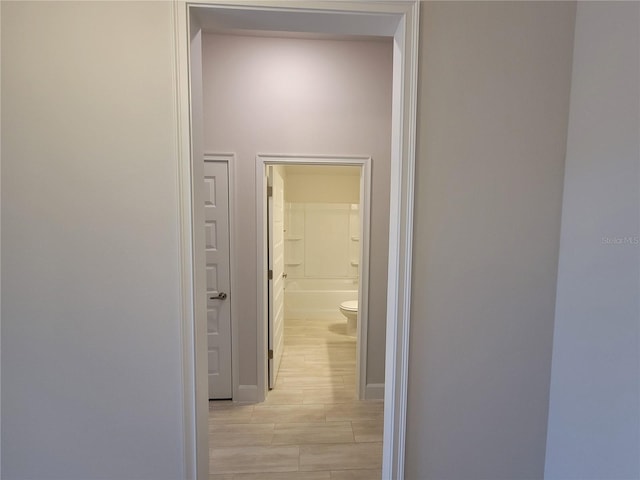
247, 394
374, 391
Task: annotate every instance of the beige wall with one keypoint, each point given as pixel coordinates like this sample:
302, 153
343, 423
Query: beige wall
493, 108
91, 383
287, 96
91, 362
594, 409
320, 184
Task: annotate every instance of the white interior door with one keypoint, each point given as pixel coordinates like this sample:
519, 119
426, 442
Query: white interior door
216, 207
276, 268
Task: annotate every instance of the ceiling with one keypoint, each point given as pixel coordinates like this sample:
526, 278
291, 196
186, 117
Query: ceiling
299, 23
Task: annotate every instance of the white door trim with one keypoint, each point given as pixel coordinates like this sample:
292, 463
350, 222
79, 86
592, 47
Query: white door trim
262, 161
399, 19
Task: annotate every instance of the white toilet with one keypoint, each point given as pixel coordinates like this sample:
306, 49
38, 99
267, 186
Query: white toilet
350, 310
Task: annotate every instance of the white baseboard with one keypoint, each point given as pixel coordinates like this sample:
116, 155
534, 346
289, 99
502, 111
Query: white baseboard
374, 391
247, 394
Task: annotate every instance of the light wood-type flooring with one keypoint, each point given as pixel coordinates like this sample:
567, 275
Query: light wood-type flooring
311, 427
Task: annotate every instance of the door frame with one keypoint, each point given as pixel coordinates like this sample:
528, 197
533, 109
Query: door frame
264, 160
398, 19
271, 281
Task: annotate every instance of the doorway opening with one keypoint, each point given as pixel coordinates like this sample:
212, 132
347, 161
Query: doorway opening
396, 20
315, 262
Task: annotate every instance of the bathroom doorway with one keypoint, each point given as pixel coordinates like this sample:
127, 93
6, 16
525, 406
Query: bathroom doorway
315, 266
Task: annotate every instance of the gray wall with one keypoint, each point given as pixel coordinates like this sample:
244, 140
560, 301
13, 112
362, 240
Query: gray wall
493, 110
91, 365
299, 96
594, 419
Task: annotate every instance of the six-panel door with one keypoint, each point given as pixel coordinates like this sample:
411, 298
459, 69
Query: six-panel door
216, 206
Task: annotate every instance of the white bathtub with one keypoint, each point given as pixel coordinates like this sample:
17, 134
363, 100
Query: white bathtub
317, 298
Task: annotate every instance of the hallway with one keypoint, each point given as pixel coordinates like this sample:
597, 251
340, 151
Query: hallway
311, 426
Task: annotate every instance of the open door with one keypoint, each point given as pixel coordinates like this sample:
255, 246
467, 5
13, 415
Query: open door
275, 209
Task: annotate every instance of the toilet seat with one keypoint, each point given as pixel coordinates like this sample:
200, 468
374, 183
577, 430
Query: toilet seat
350, 305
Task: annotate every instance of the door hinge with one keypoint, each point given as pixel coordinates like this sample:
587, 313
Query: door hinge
270, 354
270, 275
269, 191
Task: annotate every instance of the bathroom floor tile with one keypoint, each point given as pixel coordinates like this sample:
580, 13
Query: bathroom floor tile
303, 340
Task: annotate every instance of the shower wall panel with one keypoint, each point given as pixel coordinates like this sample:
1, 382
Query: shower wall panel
322, 240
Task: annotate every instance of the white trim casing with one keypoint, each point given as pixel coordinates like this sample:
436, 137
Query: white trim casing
199, 453
400, 240
262, 160
362, 331
398, 18
193, 437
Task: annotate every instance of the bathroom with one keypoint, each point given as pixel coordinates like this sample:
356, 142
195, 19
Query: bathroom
322, 225
317, 251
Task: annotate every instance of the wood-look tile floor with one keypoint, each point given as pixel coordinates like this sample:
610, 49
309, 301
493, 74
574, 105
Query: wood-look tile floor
311, 427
